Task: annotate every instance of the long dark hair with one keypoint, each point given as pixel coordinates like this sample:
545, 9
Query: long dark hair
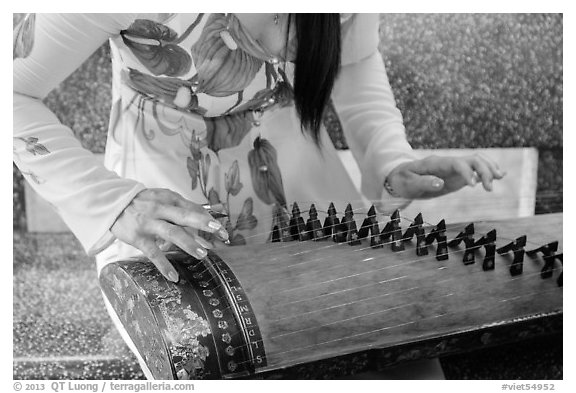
316, 66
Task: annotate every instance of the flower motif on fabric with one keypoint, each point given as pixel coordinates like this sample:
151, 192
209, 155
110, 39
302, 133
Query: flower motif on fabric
32, 146
23, 38
232, 182
245, 221
265, 172
157, 46
175, 92
222, 71
198, 164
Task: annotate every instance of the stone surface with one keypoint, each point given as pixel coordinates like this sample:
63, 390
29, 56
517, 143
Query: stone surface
60, 325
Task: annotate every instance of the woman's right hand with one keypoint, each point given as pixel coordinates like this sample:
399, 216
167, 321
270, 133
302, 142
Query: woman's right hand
160, 214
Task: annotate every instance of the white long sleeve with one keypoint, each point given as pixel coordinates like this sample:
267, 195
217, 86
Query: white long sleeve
367, 109
87, 196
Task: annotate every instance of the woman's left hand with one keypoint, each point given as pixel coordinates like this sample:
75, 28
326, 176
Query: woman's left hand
435, 176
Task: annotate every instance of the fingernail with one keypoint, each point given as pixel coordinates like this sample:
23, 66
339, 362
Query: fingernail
217, 206
173, 276
201, 253
436, 183
473, 181
214, 225
223, 234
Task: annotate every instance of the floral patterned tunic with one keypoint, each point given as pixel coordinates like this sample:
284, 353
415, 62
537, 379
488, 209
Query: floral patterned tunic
191, 112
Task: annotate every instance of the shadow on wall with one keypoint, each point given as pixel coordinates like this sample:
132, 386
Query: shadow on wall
460, 80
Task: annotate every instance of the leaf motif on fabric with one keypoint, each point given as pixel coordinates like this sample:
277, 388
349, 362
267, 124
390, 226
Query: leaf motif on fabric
257, 101
206, 168
227, 131
35, 178
232, 179
265, 173
238, 240
222, 72
34, 147
193, 171
156, 46
228, 226
282, 95
246, 220
23, 37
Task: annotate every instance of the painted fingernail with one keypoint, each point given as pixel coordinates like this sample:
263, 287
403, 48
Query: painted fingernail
200, 252
223, 234
214, 225
173, 276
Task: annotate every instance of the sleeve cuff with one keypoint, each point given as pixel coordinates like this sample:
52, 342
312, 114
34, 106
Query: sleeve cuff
107, 238
373, 187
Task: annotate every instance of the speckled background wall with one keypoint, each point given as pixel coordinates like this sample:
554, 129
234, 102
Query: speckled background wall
460, 80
